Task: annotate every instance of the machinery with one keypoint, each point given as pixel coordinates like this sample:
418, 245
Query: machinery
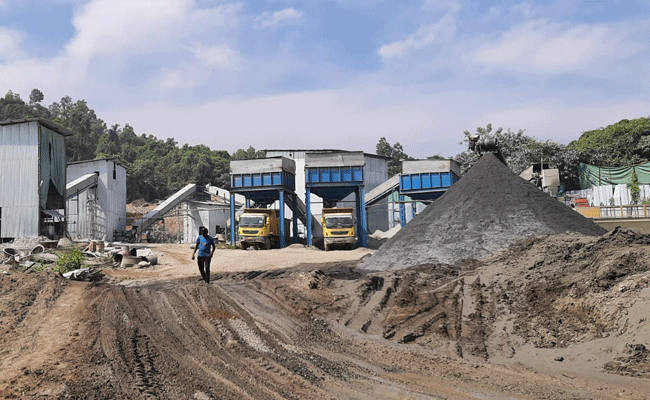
339, 228
260, 228
486, 145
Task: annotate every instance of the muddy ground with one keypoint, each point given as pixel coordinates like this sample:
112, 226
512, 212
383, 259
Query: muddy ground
554, 317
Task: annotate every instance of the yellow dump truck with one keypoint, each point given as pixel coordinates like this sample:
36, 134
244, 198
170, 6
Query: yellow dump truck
339, 228
260, 228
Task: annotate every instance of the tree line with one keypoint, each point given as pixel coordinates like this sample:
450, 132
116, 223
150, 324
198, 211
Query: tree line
624, 143
156, 168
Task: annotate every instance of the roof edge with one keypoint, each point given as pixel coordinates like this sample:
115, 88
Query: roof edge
45, 122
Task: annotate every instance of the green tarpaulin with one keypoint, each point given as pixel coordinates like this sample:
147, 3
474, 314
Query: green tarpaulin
591, 175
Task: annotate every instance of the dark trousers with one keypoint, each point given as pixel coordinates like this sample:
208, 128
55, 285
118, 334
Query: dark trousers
204, 267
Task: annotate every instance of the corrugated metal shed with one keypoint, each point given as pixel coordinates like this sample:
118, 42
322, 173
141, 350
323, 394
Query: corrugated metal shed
98, 212
32, 174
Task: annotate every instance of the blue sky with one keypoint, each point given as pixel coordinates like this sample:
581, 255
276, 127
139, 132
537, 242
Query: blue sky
334, 73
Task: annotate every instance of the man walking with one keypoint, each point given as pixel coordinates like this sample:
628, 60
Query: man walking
205, 246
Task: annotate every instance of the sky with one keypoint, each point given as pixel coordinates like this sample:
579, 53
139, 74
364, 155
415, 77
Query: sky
336, 74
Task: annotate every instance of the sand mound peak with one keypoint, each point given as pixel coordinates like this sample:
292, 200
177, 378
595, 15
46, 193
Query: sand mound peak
488, 209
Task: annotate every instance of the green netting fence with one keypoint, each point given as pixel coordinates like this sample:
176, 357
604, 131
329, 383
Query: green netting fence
591, 175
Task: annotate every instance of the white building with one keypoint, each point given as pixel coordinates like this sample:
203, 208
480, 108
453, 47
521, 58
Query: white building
214, 215
375, 172
32, 178
99, 211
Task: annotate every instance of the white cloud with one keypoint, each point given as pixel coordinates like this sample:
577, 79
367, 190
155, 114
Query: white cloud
129, 26
10, 41
452, 6
287, 16
491, 15
169, 40
219, 55
524, 9
543, 47
441, 31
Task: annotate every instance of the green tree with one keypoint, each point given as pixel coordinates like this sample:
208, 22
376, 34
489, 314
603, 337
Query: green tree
521, 151
395, 153
248, 154
109, 143
13, 107
635, 190
35, 97
624, 143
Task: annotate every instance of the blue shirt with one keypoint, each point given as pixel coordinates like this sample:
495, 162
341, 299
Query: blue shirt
204, 245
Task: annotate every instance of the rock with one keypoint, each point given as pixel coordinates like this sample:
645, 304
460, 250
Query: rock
64, 243
144, 264
559, 358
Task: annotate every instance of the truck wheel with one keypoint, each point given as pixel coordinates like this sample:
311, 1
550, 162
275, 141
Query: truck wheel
244, 246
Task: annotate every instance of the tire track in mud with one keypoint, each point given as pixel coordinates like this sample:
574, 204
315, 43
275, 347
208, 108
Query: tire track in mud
206, 338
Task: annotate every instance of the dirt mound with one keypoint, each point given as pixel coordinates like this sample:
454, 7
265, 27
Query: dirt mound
554, 317
488, 209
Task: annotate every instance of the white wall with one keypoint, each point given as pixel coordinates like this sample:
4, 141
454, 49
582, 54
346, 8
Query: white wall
19, 180
110, 195
198, 214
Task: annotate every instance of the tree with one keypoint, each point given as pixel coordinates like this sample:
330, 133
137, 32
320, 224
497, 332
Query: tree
248, 154
109, 144
624, 143
395, 153
521, 151
13, 107
35, 97
635, 190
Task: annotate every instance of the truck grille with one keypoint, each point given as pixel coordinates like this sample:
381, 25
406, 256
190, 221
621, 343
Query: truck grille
249, 231
340, 232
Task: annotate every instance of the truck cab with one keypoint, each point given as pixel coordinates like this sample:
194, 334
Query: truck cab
339, 228
260, 228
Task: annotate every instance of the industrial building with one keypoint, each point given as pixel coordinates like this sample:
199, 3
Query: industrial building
32, 178
214, 214
375, 172
96, 199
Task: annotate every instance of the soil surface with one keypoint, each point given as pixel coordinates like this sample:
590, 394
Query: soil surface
552, 317
488, 209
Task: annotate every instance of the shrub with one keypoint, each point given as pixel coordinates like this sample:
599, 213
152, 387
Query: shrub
69, 260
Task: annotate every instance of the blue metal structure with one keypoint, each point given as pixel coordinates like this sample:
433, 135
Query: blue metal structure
420, 185
264, 181
334, 176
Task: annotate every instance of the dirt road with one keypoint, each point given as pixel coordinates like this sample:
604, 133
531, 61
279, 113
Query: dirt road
295, 323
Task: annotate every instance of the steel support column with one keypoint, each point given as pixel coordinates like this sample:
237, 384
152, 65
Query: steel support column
308, 216
232, 219
363, 228
414, 209
283, 242
294, 213
248, 202
402, 211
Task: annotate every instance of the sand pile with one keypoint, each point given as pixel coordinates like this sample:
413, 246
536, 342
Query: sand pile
488, 209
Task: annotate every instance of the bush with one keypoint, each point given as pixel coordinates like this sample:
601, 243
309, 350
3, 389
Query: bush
69, 260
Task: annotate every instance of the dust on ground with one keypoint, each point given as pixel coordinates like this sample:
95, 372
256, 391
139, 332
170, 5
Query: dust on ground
552, 317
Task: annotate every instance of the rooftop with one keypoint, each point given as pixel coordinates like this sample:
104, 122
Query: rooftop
45, 122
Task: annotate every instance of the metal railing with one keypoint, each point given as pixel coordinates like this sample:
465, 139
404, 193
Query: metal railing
628, 211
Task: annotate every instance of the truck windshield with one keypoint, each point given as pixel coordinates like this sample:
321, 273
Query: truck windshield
339, 222
251, 221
